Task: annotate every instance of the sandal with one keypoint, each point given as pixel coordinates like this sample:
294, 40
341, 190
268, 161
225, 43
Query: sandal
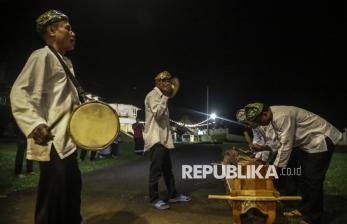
180, 198
293, 213
161, 205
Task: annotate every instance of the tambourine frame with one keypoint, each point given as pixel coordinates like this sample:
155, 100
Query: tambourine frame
90, 147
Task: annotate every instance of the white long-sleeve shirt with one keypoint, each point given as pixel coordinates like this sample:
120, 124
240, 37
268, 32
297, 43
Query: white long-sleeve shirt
296, 127
265, 135
157, 126
41, 93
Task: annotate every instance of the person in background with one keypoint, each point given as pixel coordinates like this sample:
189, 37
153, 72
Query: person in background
20, 155
115, 147
83, 154
138, 137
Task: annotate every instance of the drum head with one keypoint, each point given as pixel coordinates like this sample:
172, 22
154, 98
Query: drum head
94, 125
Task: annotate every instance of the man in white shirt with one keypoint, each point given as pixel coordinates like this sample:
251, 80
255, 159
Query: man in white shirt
265, 143
41, 94
158, 141
296, 127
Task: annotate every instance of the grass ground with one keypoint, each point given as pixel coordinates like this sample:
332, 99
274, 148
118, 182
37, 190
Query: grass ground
9, 183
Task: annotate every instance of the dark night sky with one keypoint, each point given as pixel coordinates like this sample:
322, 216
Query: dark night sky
278, 52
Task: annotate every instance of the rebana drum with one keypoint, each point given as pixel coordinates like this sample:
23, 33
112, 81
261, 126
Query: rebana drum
94, 125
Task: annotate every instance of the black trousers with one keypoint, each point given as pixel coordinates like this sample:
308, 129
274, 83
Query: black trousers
59, 191
289, 184
114, 149
314, 168
83, 154
20, 154
160, 165
139, 144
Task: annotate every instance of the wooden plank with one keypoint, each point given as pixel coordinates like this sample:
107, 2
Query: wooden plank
255, 198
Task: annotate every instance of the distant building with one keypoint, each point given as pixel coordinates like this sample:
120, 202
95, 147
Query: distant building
127, 116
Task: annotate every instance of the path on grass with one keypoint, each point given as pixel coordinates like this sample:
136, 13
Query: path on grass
119, 195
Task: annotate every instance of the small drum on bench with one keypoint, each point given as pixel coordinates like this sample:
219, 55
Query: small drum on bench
94, 125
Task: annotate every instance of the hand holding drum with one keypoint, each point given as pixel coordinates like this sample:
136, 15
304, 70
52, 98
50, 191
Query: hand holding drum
93, 125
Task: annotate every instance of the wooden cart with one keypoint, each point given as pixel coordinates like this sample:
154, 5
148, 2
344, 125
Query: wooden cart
244, 194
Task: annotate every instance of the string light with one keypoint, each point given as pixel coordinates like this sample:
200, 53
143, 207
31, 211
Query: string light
200, 124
